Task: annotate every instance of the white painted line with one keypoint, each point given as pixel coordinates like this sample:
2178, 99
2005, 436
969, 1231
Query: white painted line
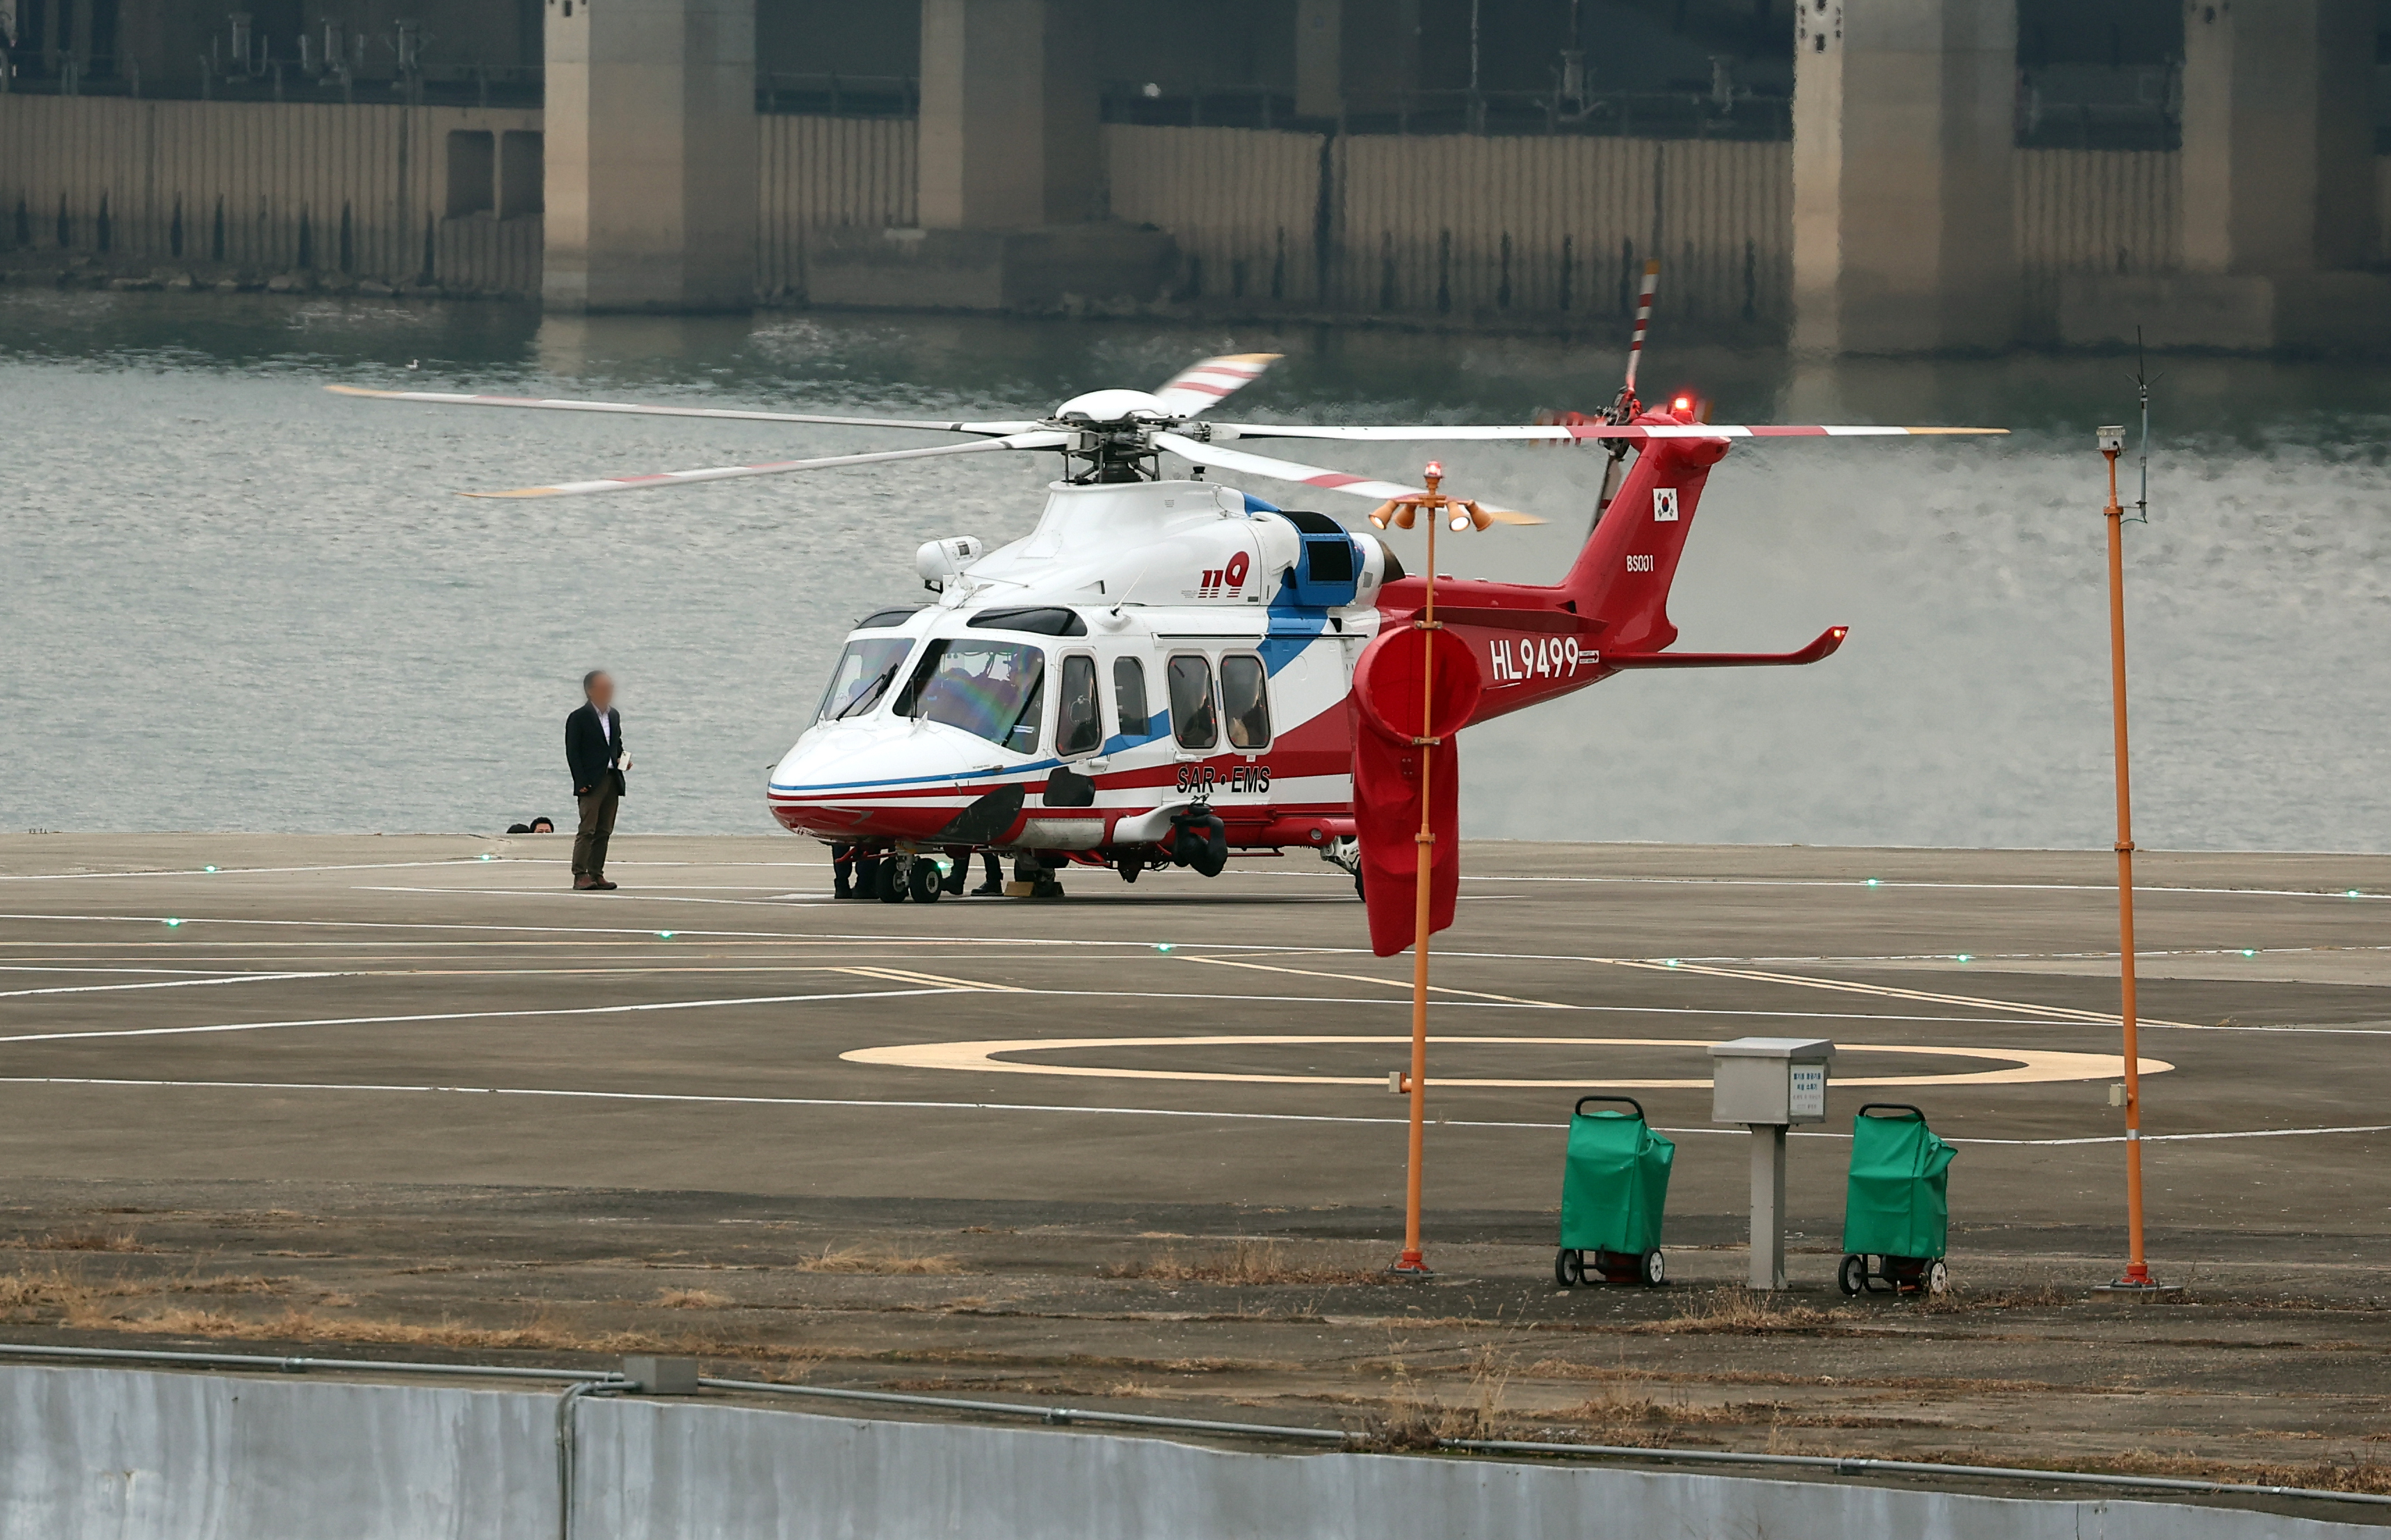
992, 1056
577, 896
703, 1100
257, 871
473, 1015
166, 983
2110, 888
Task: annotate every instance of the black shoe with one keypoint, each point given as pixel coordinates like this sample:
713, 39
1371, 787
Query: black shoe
989, 889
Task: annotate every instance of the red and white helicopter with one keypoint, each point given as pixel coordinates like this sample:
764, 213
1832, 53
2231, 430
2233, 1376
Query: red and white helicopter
1158, 674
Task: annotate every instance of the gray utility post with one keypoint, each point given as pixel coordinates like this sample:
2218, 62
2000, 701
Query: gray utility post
1768, 1084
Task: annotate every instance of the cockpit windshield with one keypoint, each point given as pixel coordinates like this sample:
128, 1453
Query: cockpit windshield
990, 689
864, 673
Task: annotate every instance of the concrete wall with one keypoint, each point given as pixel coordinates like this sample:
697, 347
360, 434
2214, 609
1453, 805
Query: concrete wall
134, 1456
1416, 223
119, 173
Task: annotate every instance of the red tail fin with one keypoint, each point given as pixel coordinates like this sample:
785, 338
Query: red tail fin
1621, 578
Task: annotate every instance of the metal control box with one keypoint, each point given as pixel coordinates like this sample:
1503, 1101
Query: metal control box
1777, 1080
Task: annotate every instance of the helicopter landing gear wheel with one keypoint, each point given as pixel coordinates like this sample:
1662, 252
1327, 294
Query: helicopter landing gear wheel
892, 886
927, 881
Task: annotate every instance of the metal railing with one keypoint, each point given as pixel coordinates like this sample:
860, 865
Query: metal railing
837, 95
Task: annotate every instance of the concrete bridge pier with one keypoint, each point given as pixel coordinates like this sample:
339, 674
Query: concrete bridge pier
2279, 195
650, 156
1904, 238
1011, 190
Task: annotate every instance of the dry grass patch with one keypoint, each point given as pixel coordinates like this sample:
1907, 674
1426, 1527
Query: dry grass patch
1956, 1300
693, 1299
79, 1240
1245, 1263
1742, 1312
886, 1261
2360, 1475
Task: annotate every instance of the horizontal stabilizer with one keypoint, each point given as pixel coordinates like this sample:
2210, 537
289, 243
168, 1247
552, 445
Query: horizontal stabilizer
1828, 640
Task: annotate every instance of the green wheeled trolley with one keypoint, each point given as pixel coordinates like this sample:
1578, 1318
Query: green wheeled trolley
1613, 1191
1897, 1211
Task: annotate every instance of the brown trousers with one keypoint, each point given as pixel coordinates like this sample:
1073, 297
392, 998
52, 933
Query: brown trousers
597, 826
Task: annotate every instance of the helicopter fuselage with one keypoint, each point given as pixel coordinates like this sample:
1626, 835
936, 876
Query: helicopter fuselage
1151, 651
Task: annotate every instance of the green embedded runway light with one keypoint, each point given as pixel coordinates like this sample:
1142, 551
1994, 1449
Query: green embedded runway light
2248, 953
1164, 946
171, 923
1673, 962
1874, 883
2351, 893
485, 855
207, 868
1966, 957
665, 935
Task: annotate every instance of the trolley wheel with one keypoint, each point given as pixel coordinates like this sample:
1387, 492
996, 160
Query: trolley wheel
927, 882
1654, 1269
1569, 1268
1936, 1279
1852, 1274
892, 884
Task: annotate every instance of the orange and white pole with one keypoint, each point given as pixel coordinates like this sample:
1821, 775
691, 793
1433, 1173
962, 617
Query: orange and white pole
2138, 1273
1413, 1262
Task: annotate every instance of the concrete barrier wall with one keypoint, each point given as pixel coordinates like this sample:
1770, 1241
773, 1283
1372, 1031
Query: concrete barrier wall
87, 1453
1405, 225
267, 185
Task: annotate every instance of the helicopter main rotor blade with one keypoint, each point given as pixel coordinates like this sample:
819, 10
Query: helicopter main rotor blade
439, 398
1565, 433
1310, 475
1041, 438
1207, 381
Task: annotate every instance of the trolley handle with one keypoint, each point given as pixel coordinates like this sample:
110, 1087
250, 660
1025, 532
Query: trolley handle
1866, 1108
1578, 1110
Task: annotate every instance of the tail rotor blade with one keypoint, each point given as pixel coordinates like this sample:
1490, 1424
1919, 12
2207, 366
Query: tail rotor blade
1643, 321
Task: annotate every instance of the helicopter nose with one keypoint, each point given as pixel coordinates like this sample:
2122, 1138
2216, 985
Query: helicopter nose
884, 780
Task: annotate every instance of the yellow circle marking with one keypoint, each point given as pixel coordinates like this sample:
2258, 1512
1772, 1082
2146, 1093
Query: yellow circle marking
2021, 1066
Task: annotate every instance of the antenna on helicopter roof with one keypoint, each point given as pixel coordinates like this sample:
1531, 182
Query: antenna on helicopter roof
2143, 383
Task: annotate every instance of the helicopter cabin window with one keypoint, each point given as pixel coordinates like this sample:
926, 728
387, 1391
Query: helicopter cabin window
1191, 702
1079, 720
1245, 698
994, 690
1128, 698
863, 675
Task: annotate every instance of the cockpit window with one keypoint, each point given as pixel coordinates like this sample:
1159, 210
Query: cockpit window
864, 673
993, 690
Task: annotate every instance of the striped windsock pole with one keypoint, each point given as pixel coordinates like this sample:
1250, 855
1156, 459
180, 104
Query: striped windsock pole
1643, 322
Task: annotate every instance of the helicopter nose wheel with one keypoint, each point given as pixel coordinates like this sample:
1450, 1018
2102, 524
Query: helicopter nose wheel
927, 881
893, 884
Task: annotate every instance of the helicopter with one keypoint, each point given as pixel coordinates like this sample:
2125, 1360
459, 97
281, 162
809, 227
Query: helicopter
1157, 675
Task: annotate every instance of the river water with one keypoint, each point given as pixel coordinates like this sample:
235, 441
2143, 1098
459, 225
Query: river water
235, 601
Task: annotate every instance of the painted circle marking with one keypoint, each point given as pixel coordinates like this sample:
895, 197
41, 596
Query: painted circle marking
2021, 1066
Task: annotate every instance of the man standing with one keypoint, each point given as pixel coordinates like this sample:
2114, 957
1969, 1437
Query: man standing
593, 748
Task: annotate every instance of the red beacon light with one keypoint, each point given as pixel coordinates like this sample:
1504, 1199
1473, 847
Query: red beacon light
1681, 408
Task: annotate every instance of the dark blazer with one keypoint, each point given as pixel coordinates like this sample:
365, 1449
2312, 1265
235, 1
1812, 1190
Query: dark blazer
589, 753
